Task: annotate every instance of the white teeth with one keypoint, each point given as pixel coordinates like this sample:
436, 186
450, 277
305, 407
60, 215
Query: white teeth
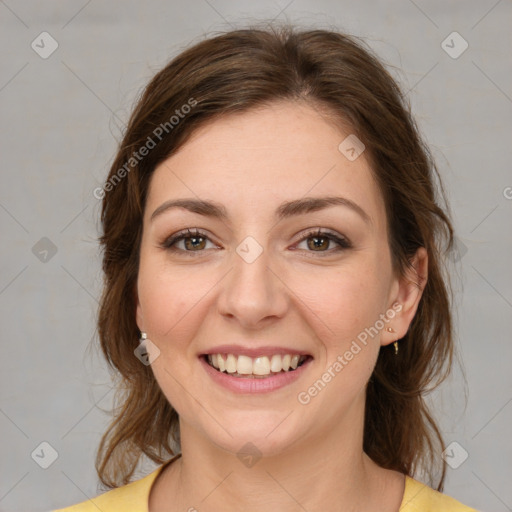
276, 364
261, 366
231, 363
244, 365
221, 363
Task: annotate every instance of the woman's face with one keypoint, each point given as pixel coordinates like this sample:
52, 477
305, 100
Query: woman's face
260, 283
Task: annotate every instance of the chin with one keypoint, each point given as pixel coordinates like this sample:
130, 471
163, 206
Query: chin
265, 433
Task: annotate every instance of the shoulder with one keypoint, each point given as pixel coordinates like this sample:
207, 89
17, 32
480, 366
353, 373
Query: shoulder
419, 497
132, 497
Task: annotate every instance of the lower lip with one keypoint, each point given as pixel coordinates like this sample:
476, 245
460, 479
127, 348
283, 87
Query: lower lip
257, 385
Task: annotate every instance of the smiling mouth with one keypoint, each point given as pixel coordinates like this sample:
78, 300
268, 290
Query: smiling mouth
255, 367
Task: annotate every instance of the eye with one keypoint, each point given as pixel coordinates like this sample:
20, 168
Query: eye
193, 241
319, 241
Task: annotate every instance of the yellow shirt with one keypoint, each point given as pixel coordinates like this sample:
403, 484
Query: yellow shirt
134, 497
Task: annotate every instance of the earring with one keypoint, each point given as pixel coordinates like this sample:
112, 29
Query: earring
395, 344
143, 336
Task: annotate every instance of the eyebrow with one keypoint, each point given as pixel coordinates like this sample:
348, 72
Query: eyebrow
285, 210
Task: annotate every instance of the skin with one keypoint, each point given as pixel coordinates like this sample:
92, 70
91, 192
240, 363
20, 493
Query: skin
292, 295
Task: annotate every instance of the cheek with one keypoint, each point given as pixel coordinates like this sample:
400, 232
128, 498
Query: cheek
173, 308
171, 301
345, 300
342, 307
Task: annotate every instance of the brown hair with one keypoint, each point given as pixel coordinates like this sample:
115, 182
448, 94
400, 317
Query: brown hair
340, 77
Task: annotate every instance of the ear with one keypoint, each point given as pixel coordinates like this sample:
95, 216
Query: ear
139, 318
406, 297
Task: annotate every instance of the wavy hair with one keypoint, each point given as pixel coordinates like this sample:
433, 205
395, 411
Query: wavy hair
233, 72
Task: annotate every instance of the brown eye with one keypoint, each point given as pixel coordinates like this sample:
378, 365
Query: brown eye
319, 241
193, 242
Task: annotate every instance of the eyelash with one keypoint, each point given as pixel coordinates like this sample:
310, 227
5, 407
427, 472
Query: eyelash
168, 244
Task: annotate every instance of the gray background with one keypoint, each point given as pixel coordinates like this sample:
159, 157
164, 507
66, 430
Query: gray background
61, 118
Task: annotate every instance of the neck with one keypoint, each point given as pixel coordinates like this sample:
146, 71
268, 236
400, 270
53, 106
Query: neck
332, 464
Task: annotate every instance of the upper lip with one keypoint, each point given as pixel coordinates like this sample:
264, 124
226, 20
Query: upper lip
252, 351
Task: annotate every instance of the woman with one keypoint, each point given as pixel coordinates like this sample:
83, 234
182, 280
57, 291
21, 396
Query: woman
273, 235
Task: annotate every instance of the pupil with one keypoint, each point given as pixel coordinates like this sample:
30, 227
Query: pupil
192, 241
316, 244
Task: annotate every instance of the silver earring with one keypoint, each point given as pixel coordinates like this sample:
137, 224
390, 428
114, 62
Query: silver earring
143, 336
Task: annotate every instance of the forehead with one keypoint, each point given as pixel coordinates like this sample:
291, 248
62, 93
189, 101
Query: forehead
257, 159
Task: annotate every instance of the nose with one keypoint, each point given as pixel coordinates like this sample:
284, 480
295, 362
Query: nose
253, 293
